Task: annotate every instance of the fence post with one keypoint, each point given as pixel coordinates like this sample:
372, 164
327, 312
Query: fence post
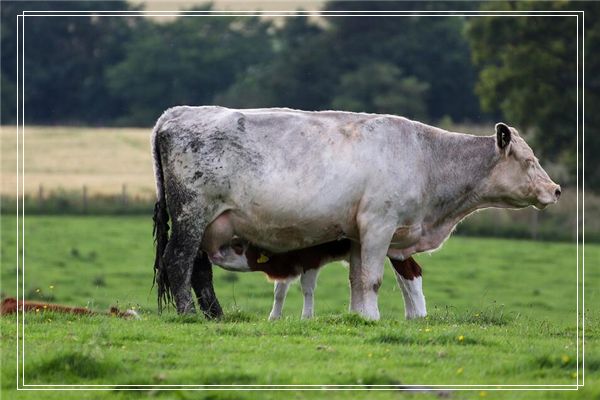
84, 199
124, 197
41, 196
534, 223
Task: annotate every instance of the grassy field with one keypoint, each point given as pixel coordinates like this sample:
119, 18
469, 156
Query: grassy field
501, 312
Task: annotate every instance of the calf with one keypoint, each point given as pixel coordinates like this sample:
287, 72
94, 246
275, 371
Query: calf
284, 268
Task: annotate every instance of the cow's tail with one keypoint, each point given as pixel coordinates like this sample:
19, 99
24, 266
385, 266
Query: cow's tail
161, 223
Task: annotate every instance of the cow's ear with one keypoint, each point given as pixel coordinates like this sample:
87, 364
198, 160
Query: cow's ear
502, 135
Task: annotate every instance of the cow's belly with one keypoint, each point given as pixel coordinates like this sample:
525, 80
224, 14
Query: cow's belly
281, 234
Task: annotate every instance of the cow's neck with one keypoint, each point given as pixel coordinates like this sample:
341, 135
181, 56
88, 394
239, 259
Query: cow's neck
461, 164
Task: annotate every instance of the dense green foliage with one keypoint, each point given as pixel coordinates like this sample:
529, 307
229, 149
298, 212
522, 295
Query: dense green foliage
502, 312
114, 70
528, 70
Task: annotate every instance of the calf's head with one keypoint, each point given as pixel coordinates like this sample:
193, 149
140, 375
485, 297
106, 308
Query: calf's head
517, 179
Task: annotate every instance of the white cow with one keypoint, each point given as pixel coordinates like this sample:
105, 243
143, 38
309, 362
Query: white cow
285, 180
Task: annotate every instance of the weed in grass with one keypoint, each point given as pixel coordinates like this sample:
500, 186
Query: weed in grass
236, 315
348, 319
99, 281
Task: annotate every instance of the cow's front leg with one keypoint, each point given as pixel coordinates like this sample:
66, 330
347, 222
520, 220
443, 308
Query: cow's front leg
280, 291
308, 281
409, 276
366, 275
179, 261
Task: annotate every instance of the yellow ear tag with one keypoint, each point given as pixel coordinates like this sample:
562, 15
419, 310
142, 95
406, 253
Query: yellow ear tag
262, 259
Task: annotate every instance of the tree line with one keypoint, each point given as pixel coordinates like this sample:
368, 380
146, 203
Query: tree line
127, 70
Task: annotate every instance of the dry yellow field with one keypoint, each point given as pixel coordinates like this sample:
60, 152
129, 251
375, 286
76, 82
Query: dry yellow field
67, 158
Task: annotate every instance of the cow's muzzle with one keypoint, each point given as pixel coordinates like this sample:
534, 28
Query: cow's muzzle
548, 195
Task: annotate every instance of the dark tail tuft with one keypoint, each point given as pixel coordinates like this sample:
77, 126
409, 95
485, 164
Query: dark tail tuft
161, 238
161, 223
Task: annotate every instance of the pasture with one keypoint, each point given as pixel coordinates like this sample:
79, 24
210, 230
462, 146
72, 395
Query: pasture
501, 312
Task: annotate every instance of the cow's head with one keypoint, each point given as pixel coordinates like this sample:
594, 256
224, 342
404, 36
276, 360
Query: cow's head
518, 179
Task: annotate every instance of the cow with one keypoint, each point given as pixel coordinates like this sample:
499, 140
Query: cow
287, 179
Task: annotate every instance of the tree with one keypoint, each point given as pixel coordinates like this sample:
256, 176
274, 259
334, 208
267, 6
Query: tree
528, 71
65, 60
381, 88
186, 61
433, 50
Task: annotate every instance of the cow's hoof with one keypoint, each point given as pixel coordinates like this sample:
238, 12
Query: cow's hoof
415, 315
274, 317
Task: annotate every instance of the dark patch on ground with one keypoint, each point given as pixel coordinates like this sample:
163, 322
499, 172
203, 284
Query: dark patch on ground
71, 364
424, 339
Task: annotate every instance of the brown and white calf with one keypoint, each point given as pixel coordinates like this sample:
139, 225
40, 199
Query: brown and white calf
306, 263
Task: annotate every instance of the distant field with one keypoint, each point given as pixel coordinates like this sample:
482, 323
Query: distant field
502, 312
103, 159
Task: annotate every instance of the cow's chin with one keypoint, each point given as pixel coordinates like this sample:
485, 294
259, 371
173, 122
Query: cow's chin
544, 201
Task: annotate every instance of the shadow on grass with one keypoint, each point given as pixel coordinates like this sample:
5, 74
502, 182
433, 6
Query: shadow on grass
424, 339
494, 315
70, 366
347, 319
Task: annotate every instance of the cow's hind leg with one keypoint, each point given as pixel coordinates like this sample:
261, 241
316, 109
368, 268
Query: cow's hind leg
308, 281
280, 292
409, 277
179, 261
202, 283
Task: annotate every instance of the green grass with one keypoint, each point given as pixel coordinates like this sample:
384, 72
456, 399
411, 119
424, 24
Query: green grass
501, 312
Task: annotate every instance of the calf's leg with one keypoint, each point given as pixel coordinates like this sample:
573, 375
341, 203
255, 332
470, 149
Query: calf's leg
280, 289
308, 281
409, 276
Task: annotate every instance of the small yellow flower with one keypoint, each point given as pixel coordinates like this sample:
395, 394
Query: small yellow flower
45, 306
461, 338
37, 290
459, 371
427, 330
51, 286
565, 358
37, 310
483, 393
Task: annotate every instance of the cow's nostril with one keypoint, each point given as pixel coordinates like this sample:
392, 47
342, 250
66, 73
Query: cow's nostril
557, 193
